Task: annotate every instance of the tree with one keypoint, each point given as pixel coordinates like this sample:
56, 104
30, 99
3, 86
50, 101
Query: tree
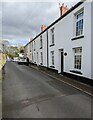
21, 49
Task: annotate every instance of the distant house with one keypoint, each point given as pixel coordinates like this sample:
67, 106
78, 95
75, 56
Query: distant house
2, 54
2, 47
66, 45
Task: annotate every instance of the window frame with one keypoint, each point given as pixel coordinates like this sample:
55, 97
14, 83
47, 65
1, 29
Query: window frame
79, 23
52, 37
52, 58
34, 45
41, 42
41, 54
77, 56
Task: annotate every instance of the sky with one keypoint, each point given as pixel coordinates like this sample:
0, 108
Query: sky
21, 20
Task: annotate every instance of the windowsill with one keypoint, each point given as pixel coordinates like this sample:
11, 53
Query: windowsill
76, 71
52, 66
52, 45
78, 37
40, 47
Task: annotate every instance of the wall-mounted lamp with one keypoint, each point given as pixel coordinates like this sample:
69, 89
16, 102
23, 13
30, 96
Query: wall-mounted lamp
65, 54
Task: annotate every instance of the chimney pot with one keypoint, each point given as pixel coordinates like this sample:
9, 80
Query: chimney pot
63, 9
62, 4
43, 27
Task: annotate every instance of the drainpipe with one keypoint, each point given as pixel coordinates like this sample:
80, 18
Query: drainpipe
47, 51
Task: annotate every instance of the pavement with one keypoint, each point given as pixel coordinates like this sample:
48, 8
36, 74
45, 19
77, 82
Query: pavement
88, 89
30, 93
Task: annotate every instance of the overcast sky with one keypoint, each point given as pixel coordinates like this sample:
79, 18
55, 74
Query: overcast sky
22, 20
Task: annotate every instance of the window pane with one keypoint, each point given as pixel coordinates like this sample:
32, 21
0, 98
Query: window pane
79, 23
52, 36
52, 57
41, 57
77, 58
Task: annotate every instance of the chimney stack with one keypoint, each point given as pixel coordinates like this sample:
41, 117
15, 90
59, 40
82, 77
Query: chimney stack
43, 27
63, 9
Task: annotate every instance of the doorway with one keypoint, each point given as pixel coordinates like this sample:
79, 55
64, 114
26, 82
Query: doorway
62, 61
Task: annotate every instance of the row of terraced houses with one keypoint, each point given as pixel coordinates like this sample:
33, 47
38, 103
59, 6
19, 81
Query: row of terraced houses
66, 46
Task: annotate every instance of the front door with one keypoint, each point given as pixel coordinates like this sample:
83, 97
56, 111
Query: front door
62, 61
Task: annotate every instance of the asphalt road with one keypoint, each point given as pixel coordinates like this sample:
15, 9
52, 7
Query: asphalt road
29, 93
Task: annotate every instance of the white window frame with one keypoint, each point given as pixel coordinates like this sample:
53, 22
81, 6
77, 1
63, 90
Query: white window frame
52, 36
77, 56
79, 23
41, 42
52, 58
34, 45
41, 58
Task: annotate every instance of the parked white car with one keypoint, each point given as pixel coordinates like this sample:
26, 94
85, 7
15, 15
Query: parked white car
15, 59
22, 60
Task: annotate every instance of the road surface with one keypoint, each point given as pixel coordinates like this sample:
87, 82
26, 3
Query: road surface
29, 93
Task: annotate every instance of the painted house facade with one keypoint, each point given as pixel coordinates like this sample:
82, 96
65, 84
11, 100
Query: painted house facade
28, 51
66, 45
